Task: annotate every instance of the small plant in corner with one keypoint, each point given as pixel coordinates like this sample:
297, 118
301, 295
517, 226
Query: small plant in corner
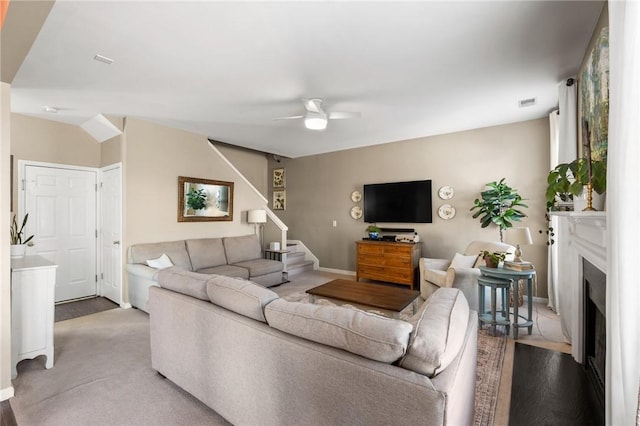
196, 199
493, 259
17, 234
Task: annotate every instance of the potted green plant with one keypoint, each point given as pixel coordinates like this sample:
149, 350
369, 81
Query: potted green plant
374, 232
493, 258
18, 240
196, 199
567, 180
499, 205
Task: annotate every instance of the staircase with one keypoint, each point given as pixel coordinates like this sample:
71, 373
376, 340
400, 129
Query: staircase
296, 260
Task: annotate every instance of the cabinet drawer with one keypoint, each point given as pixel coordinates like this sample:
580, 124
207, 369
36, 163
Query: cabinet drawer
403, 261
382, 273
371, 248
398, 250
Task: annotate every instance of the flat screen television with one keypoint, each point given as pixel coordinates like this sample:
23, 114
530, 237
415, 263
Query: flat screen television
401, 202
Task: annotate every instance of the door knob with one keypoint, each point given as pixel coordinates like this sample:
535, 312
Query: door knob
116, 243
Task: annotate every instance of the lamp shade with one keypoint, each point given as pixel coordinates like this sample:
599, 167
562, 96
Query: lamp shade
257, 216
519, 236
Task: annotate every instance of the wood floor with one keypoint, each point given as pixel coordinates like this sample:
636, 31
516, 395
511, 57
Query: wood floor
550, 388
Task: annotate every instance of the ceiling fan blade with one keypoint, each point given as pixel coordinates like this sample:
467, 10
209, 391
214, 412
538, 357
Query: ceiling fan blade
293, 117
313, 105
337, 115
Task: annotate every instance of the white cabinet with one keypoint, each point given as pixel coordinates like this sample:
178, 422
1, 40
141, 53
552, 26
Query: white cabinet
33, 280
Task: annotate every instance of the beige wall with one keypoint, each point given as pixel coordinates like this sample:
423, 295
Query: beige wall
318, 189
252, 164
111, 149
154, 158
6, 390
48, 141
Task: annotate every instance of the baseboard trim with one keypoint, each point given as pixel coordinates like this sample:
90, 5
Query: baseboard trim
6, 393
336, 271
124, 305
538, 299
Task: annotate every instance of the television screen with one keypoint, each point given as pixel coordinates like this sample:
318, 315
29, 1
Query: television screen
402, 202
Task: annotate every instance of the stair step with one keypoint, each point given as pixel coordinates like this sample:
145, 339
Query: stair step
292, 247
295, 257
300, 267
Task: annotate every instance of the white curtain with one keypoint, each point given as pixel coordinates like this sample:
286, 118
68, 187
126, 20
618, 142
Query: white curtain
563, 149
623, 197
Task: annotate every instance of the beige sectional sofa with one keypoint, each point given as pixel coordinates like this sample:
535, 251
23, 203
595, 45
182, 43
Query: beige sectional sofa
255, 358
239, 256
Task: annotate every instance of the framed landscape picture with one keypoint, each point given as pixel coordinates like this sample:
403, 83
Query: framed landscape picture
204, 200
278, 178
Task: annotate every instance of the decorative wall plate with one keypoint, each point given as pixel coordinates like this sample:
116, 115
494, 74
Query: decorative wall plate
356, 212
446, 192
356, 196
446, 211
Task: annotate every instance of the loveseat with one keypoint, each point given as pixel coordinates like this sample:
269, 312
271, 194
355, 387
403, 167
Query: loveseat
255, 358
239, 256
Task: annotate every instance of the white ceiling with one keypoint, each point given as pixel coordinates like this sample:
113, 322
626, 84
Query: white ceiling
225, 69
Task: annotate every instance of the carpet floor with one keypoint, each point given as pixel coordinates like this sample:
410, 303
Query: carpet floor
103, 376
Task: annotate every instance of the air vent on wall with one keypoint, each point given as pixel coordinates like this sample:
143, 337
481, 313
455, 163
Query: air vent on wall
527, 102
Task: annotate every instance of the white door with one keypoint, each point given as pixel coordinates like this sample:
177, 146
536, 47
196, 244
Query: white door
61, 203
110, 234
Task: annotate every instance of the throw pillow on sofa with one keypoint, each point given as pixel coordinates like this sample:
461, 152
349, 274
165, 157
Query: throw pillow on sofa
161, 262
462, 261
439, 332
240, 296
185, 282
369, 335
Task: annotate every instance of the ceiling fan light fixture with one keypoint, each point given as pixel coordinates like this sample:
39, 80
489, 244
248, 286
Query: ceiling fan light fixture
315, 122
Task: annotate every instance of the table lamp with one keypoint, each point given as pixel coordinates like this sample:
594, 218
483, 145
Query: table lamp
517, 237
257, 217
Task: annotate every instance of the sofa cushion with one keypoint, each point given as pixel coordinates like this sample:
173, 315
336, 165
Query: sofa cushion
439, 331
185, 282
371, 336
440, 278
241, 249
176, 250
259, 267
228, 270
240, 296
206, 253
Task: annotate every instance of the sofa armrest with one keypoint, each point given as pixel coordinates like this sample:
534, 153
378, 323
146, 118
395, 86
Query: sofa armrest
429, 268
466, 279
438, 264
142, 271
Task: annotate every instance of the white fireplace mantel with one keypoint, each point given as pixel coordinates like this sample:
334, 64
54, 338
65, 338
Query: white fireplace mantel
580, 235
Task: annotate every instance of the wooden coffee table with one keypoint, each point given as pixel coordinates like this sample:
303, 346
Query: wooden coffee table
374, 295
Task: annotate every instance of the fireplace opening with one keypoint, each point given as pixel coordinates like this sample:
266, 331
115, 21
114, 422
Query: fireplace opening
595, 333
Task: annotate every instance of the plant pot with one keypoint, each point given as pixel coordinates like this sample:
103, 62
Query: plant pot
18, 250
374, 235
490, 263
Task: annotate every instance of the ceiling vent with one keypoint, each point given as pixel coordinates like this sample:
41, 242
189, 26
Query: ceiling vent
527, 102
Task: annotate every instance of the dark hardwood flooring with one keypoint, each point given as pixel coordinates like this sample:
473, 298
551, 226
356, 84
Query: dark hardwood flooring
550, 388
63, 311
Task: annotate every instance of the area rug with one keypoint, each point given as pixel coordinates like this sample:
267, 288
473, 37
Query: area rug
491, 352
489, 370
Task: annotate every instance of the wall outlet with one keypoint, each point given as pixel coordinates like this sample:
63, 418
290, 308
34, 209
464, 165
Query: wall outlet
335, 223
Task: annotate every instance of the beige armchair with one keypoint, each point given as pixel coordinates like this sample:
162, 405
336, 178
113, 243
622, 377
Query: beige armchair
436, 273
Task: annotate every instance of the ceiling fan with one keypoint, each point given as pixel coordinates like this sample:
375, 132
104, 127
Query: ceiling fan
316, 118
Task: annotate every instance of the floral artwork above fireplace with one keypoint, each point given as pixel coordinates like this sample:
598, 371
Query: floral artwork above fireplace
594, 98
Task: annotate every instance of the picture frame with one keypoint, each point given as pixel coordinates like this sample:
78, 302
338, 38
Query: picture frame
280, 199
204, 200
279, 178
